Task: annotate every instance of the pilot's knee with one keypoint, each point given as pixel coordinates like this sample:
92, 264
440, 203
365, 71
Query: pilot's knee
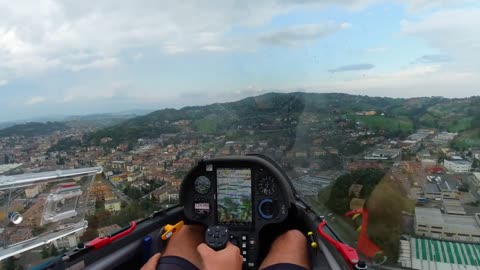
293, 237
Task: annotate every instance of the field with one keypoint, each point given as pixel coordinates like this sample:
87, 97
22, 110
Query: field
386, 123
470, 138
206, 125
460, 124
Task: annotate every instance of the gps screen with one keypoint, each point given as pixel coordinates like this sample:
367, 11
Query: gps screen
234, 195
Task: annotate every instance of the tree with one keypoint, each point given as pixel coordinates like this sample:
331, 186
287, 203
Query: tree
45, 253
476, 164
133, 192
9, 264
53, 251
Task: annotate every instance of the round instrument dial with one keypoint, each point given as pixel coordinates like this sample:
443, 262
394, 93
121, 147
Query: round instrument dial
202, 185
267, 185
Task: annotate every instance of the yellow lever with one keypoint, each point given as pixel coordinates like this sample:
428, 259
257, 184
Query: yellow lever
169, 230
311, 237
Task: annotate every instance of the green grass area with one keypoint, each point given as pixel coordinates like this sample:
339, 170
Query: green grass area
386, 123
206, 125
460, 124
466, 139
429, 120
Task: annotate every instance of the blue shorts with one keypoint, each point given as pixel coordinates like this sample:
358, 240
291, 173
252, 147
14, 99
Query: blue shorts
179, 263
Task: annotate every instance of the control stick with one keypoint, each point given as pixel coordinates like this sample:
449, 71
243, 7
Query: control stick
216, 237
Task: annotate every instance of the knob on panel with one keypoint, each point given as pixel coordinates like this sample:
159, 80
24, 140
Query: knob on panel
266, 209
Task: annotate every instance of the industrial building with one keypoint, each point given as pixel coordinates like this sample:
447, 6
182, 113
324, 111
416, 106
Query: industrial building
420, 253
383, 154
310, 185
430, 222
457, 165
441, 187
453, 207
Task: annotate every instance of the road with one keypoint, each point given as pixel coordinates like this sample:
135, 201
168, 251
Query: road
119, 194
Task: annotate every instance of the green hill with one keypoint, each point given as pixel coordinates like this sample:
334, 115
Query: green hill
294, 112
33, 129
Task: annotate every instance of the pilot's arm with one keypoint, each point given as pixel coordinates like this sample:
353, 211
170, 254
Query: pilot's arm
152, 263
227, 258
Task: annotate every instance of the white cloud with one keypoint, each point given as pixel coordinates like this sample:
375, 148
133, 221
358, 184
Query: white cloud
298, 34
102, 63
3, 82
91, 91
414, 81
35, 100
420, 5
455, 33
50, 33
353, 67
54, 33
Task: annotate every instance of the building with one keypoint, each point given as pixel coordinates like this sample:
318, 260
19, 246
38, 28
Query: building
430, 222
310, 185
453, 207
457, 165
100, 190
364, 164
441, 187
160, 194
173, 195
420, 135
119, 165
6, 168
105, 231
476, 153
113, 205
443, 138
422, 253
32, 192
67, 242
383, 154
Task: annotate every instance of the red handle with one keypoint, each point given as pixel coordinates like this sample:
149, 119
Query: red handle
103, 241
347, 252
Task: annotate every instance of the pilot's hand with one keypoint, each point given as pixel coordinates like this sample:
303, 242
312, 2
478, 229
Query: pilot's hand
152, 263
227, 258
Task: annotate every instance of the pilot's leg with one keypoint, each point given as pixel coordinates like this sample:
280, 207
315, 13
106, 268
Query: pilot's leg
183, 244
288, 251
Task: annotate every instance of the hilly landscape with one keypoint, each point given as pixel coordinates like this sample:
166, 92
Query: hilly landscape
392, 116
287, 114
37, 127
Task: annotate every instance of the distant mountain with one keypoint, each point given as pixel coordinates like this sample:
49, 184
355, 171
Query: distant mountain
6, 124
33, 129
285, 111
102, 120
83, 121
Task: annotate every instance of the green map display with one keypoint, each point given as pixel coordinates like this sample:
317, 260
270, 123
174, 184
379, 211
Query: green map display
234, 195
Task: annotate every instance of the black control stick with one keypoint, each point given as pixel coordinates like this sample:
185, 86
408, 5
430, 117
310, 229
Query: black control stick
216, 237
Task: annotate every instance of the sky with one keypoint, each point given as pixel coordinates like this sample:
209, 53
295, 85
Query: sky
68, 57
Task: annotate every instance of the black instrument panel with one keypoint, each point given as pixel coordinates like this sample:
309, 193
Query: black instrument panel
242, 193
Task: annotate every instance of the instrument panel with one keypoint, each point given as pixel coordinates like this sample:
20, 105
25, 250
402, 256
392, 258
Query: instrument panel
239, 191
242, 193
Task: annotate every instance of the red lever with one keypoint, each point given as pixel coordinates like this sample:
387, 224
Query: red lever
103, 241
347, 252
